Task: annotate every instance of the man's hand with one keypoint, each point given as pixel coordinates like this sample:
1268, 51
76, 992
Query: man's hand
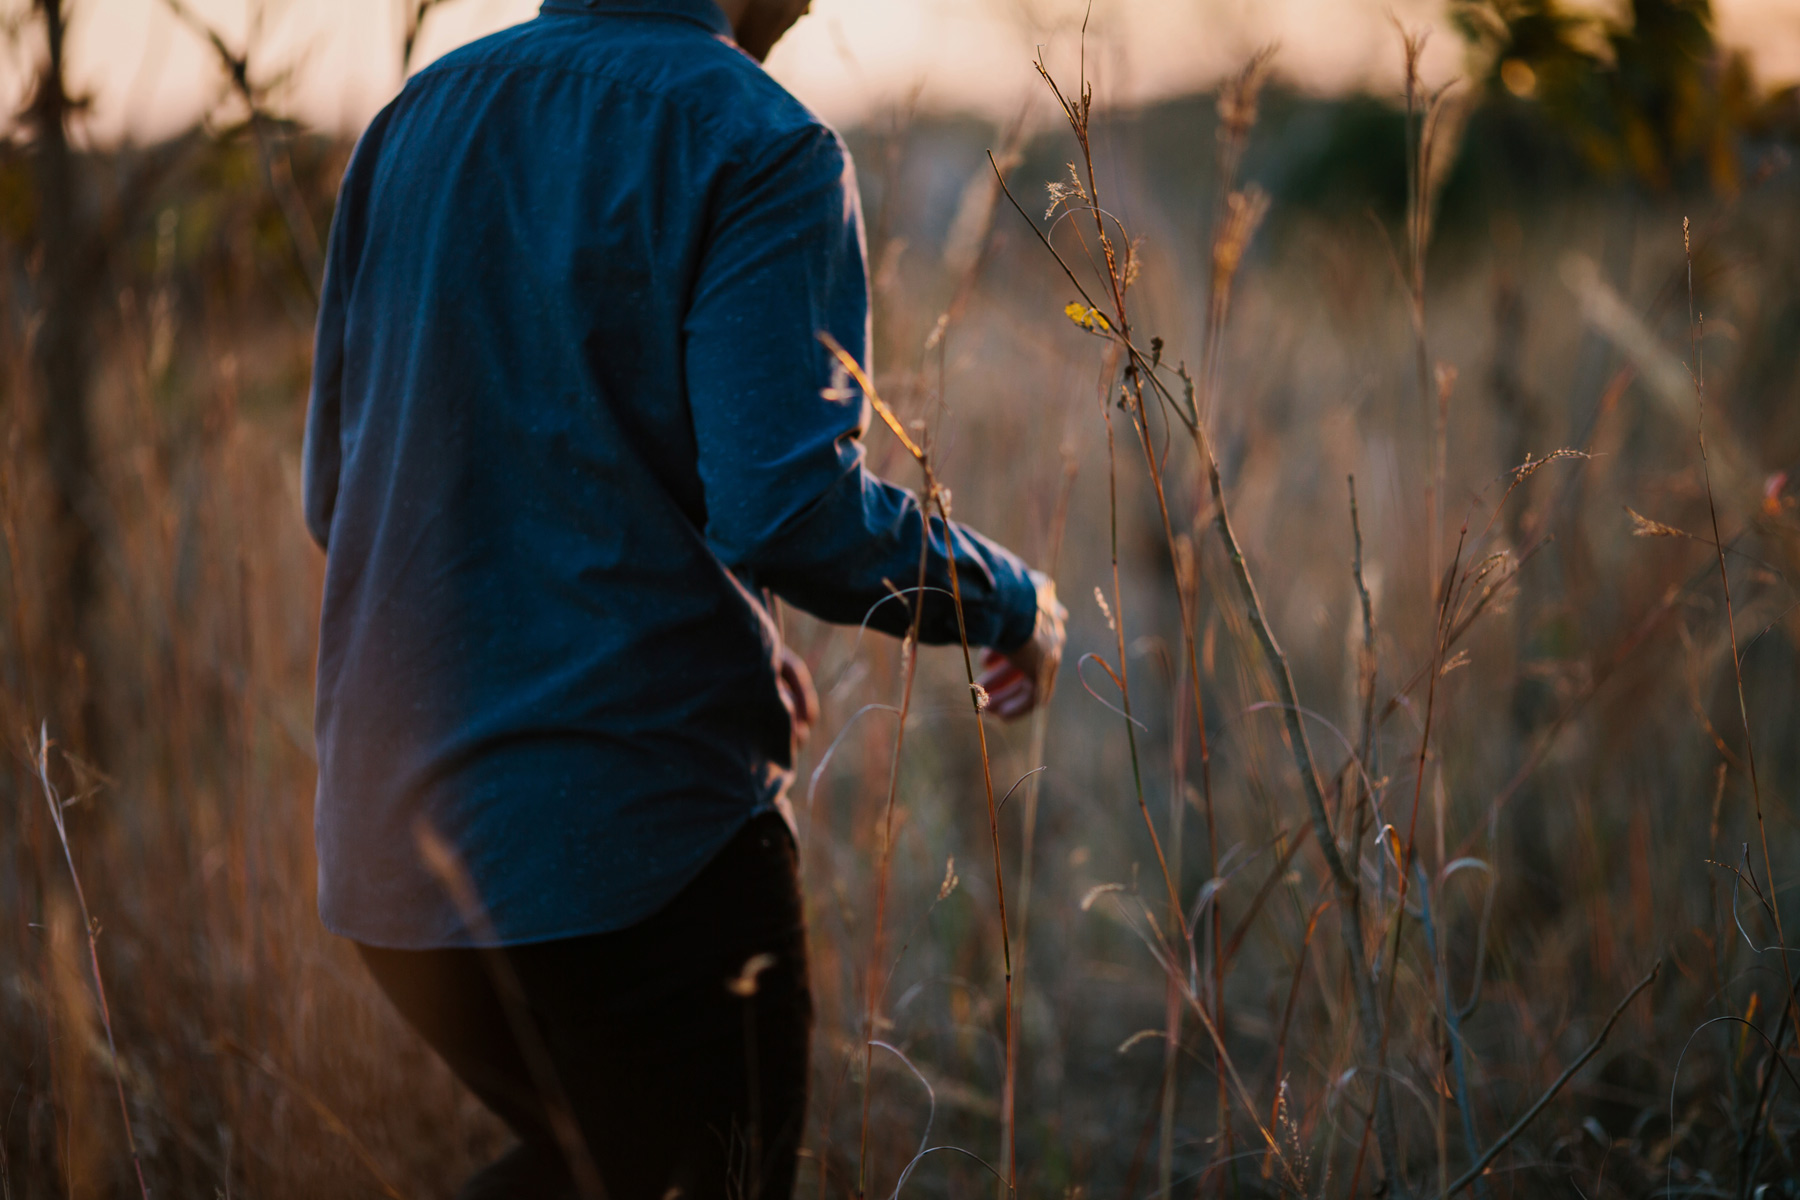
795, 684
1018, 682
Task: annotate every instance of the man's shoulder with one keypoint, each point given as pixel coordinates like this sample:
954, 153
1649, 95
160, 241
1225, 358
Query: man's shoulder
703, 76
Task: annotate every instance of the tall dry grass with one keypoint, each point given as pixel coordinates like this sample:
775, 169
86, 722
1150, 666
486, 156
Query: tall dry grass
1365, 811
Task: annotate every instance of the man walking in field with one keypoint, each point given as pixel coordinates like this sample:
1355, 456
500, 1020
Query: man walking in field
571, 428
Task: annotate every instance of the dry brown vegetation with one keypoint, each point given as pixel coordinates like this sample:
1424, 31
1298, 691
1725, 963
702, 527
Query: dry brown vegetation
1368, 812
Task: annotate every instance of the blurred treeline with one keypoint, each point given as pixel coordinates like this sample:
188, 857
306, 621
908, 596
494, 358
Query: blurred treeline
158, 600
1554, 104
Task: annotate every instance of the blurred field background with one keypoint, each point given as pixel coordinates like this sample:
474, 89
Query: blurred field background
1575, 790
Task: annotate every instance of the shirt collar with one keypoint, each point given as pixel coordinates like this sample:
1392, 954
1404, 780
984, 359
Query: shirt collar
701, 12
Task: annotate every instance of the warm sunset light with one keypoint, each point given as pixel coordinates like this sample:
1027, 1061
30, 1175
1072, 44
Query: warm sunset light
921, 600
148, 75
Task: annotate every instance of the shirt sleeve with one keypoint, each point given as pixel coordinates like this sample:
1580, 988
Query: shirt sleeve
789, 499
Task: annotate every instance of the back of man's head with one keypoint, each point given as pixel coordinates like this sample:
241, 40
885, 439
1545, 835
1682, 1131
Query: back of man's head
759, 24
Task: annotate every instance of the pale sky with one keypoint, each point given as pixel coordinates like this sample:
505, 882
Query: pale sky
148, 75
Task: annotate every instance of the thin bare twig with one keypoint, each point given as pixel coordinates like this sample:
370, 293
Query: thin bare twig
278, 173
1695, 324
1479, 1167
1348, 895
934, 498
41, 760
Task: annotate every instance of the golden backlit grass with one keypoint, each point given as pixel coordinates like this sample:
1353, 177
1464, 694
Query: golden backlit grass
1504, 701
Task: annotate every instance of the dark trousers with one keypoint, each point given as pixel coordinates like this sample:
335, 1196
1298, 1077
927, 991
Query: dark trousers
670, 1055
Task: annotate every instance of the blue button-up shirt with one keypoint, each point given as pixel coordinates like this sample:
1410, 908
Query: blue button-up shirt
570, 422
